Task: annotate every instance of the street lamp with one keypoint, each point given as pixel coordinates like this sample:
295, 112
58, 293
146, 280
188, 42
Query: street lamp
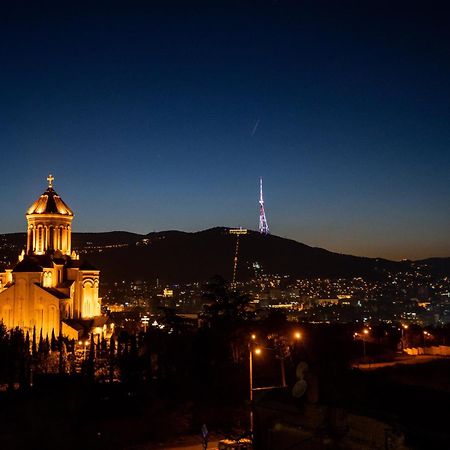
297, 336
257, 351
427, 334
254, 349
364, 333
405, 326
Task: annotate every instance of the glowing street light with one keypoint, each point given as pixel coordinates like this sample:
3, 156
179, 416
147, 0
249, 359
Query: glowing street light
257, 351
297, 335
365, 333
405, 326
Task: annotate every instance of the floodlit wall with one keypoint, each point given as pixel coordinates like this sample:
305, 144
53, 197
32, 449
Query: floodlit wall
437, 350
26, 305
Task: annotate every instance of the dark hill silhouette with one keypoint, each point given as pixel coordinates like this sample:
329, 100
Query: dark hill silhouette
176, 256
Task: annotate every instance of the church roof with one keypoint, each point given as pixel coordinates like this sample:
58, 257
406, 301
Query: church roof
50, 203
55, 293
34, 263
27, 265
87, 325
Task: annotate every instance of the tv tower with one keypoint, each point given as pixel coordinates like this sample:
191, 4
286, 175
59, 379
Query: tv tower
263, 226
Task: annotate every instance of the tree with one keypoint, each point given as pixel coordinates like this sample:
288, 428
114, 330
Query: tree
282, 349
227, 313
54, 343
223, 305
112, 357
170, 319
46, 345
62, 358
33, 345
41, 346
27, 343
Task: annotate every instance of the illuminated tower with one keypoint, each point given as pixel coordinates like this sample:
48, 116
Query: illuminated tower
50, 290
49, 224
263, 226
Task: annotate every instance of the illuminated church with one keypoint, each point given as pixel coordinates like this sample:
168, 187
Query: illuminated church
50, 288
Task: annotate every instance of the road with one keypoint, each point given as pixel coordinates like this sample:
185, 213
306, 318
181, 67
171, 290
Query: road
406, 360
183, 443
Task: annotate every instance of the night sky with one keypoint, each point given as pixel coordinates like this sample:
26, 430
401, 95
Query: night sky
154, 118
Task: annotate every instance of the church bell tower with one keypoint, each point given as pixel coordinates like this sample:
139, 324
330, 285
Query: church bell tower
49, 224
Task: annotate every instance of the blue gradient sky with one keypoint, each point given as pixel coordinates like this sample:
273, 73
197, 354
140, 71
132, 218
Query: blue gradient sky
147, 118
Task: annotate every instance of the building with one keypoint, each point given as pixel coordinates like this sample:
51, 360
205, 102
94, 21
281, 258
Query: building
50, 289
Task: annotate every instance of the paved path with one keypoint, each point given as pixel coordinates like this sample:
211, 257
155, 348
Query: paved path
407, 360
184, 443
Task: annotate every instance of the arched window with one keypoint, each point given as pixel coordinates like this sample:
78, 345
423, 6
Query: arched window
48, 279
30, 238
51, 238
88, 298
40, 246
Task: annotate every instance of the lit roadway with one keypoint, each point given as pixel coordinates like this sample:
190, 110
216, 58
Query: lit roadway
407, 360
182, 443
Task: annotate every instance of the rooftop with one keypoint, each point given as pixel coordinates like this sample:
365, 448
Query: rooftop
50, 203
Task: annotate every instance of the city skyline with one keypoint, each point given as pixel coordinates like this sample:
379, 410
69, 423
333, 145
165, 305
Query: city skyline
151, 122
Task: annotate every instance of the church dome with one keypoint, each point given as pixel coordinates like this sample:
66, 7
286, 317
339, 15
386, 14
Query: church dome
50, 203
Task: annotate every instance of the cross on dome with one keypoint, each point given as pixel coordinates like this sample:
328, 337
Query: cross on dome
50, 179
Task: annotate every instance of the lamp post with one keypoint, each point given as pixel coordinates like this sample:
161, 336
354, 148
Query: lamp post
297, 336
364, 334
254, 349
257, 351
404, 328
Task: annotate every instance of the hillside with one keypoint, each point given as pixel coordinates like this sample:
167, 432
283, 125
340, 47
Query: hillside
176, 256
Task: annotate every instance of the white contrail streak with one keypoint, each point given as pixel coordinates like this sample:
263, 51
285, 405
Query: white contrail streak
255, 127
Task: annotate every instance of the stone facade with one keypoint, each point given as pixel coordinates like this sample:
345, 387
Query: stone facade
49, 285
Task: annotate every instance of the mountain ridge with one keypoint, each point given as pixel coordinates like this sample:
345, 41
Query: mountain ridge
175, 256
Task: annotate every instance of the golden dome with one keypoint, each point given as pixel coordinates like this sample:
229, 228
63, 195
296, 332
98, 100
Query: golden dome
50, 203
